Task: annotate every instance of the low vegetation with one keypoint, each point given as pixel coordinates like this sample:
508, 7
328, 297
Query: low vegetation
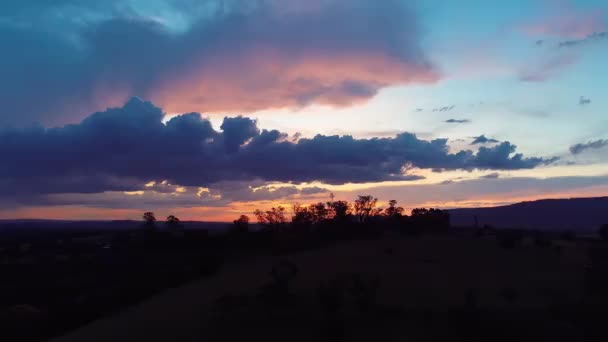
61, 282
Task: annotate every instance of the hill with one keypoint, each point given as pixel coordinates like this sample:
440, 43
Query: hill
580, 214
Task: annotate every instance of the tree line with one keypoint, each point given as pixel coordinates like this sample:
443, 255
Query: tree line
363, 211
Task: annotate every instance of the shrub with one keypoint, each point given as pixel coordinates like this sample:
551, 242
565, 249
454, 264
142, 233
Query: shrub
542, 240
510, 238
567, 235
365, 290
331, 296
604, 232
278, 292
470, 299
241, 225
509, 294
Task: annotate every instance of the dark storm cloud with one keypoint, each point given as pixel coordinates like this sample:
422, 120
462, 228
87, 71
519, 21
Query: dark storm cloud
121, 149
237, 131
236, 57
482, 139
595, 144
458, 121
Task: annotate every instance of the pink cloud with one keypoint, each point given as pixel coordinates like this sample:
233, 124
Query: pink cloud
264, 55
268, 78
567, 22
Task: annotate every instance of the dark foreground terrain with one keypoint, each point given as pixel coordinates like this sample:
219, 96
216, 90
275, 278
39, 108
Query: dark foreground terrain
393, 288
343, 282
58, 280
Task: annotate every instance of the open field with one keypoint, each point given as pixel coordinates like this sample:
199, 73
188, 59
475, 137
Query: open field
422, 284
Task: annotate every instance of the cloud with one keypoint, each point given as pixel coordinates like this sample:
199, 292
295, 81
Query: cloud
493, 175
491, 192
227, 57
237, 131
594, 37
547, 67
571, 26
482, 139
123, 149
444, 108
220, 195
566, 21
457, 121
594, 144
582, 101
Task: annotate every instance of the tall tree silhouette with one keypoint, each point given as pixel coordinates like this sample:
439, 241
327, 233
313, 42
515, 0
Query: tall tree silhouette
303, 216
365, 206
340, 209
274, 217
393, 210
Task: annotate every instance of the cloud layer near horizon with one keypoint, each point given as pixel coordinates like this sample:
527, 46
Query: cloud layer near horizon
121, 149
268, 54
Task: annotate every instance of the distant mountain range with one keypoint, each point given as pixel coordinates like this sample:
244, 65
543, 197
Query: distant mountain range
578, 214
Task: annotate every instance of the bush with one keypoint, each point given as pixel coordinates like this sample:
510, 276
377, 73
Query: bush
567, 236
331, 296
509, 294
510, 238
365, 290
470, 298
604, 232
542, 240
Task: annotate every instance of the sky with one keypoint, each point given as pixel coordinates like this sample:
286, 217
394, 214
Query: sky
210, 109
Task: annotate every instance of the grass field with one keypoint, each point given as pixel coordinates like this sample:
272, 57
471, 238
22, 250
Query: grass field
421, 283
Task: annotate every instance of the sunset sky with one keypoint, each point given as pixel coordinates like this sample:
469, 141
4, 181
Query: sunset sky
208, 109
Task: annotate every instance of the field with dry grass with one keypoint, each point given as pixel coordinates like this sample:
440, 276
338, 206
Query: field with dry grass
404, 282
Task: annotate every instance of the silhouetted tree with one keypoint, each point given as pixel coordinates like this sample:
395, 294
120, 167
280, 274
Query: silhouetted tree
302, 216
242, 224
274, 217
172, 221
430, 219
319, 211
365, 206
339, 210
149, 219
393, 210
